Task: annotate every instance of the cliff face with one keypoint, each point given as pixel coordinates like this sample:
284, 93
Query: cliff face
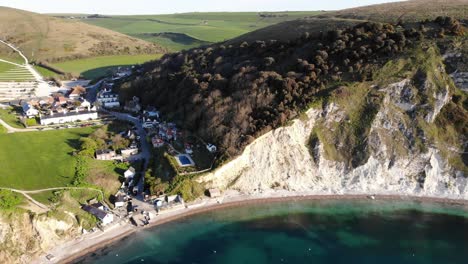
404, 149
23, 237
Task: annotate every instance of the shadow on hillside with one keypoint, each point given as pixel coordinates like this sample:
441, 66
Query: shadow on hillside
100, 72
75, 143
179, 38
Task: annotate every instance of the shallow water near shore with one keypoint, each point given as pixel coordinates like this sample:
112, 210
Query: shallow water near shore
303, 232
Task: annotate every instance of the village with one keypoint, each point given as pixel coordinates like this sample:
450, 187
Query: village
143, 134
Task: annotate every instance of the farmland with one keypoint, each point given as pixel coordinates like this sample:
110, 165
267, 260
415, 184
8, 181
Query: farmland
36, 160
183, 31
92, 68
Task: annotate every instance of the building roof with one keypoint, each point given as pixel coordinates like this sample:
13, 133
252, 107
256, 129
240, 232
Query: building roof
71, 113
78, 90
100, 214
131, 169
120, 198
104, 151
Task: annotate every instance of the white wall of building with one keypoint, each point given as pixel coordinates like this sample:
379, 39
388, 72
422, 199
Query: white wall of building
67, 119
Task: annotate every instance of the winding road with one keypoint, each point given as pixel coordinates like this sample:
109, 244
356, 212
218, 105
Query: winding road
145, 146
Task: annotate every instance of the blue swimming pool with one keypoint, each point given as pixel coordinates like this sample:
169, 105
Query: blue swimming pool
184, 160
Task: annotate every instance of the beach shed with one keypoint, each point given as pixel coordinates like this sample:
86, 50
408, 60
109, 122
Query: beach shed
214, 192
119, 201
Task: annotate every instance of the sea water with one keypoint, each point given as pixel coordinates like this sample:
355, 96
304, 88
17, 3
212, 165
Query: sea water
303, 232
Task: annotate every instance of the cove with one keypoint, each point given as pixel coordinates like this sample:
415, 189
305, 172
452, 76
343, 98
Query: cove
312, 231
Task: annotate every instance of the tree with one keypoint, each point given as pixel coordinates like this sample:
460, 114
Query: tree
118, 142
88, 147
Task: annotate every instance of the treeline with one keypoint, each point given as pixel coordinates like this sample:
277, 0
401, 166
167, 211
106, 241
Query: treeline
231, 94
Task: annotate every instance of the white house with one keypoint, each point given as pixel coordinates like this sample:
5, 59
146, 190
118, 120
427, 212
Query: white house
119, 201
29, 110
67, 117
108, 99
130, 151
103, 216
130, 173
211, 148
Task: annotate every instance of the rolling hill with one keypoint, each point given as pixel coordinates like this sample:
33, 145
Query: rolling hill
407, 11
53, 39
183, 31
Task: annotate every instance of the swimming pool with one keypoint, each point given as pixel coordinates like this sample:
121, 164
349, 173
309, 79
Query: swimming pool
185, 160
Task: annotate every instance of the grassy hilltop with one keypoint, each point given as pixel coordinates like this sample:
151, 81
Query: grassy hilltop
51, 39
182, 31
407, 11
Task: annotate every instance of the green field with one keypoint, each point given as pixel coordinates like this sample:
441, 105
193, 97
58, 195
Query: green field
194, 28
36, 160
10, 116
96, 67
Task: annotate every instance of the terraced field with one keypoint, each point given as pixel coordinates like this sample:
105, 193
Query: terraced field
14, 73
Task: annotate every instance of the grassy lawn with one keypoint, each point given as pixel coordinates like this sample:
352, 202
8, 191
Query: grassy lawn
106, 174
36, 160
92, 68
10, 116
3, 130
204, 27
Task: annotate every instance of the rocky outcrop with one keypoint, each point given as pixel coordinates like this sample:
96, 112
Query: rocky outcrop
24, 236
281, 159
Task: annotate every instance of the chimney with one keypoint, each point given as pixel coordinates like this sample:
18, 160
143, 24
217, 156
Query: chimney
89, 108
51, 112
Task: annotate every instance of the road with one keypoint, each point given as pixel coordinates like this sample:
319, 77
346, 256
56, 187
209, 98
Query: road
26, 61
11, 129
145, 146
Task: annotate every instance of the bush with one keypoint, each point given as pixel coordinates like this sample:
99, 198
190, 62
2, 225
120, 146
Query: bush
9, 199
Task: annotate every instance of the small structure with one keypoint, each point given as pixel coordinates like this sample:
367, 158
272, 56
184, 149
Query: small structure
130, 173
211, 148
133, 105
29, 110
105, 154
214, 193
108, 99
157, 142
77, 92
98, 205
61, 100
173, 198
188, 149
103, 216
130, 151
185, 160
119, 201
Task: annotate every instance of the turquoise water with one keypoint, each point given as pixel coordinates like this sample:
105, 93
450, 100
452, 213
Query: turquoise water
303, 232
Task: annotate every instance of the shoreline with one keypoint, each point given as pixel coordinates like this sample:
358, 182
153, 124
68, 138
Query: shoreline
88, 245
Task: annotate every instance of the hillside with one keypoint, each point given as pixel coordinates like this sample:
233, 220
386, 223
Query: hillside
232, 94
406, 11
52, 39
188, 30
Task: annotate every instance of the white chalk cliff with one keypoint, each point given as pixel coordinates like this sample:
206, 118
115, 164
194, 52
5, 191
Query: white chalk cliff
281, 159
